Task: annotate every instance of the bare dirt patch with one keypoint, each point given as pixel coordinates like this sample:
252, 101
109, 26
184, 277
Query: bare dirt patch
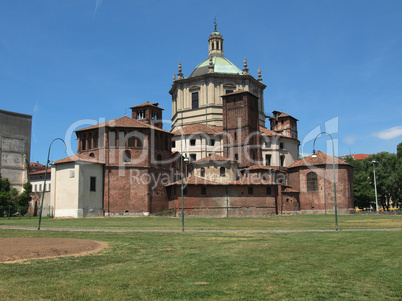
19, 249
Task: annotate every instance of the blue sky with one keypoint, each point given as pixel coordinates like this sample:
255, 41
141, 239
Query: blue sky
334, 65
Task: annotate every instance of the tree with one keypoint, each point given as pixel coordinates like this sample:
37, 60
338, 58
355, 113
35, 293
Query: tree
363, 190
12, 202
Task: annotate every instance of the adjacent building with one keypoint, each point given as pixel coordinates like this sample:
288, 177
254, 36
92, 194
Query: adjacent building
15, 147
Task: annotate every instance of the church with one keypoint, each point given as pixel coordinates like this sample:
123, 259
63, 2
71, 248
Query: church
219, 158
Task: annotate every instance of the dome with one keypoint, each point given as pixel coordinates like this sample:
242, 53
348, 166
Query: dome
221, 65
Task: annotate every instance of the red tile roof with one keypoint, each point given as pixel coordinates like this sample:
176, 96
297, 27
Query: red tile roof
39, 172
356, 156
214, 157
79, 157
321, 159
244, 181
146, 104
266, 132
262, 167
123, 122
198, 129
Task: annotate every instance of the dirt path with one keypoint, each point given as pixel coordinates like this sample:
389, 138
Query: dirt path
17, 249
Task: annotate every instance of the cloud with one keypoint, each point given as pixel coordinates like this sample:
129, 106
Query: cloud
97, 5
351, 139
389, 134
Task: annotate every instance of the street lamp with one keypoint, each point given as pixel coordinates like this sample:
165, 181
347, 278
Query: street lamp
185, 159
44, 182
333, 167
375, 186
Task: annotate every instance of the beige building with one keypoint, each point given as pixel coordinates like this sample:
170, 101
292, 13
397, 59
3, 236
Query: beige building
196, 99
77, 187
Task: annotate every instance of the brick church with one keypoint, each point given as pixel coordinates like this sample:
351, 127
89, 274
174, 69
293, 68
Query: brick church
219, 158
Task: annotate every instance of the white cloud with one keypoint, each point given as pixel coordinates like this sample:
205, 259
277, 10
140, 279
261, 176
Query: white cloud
97, 5
351, 139
389, 134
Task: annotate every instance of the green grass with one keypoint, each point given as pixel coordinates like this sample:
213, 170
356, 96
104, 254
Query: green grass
234, 266
295, 222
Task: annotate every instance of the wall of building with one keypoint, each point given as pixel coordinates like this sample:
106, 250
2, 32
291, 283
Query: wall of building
223, 201
210, 88
15, 147
323, 199
71, 194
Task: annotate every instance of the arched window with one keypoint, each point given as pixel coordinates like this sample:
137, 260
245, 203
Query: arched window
131, 141
222, 171
312, 184
127, 156
202, 172
236, 157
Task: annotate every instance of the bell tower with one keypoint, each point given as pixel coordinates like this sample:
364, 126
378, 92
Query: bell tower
215, 43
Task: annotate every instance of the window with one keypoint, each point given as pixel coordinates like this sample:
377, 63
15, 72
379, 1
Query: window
269, 191
139, 141
268, 160
281, 145
222, 171
194, 100
92, 184
131, 141
173, 144
193, 157
192, 142
312, 184
211, 142
40, 187
202, 172
126, 156
185, 191
250, 190
203, 190
282, 160
95, 139
159, 160
228, 91
236, 157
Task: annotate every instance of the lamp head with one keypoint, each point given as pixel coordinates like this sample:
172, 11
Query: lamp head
374, 162
314, 154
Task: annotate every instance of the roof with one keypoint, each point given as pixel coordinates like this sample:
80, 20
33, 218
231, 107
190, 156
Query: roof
82, 157
321, 159
39, 172
357, 156
263, 167
214, 157
147, 104
123, 122
288, 189
221, 65
266, 132
245, 181
198, 129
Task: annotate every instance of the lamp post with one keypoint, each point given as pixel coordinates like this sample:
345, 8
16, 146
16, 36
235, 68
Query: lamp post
333, 167
375, 186
44, 182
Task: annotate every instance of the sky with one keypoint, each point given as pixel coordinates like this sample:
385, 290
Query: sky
336, 66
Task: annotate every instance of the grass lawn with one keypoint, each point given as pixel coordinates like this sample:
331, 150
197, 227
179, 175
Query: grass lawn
295, 222
229, 266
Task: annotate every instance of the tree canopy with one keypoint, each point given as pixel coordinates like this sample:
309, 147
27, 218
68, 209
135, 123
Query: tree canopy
388, 172
12, 202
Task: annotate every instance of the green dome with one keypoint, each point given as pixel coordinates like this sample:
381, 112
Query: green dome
221, 65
